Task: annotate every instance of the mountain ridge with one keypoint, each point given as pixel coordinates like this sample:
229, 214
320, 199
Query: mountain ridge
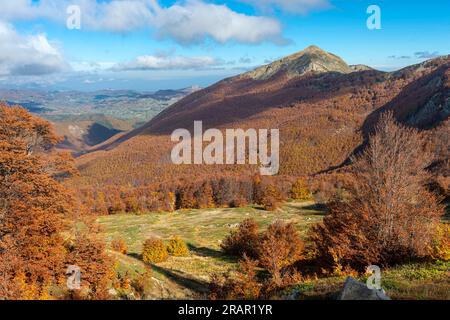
323, 118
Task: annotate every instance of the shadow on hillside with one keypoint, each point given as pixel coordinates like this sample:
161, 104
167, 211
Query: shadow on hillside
321, 207
407, 103
216, 111
136, 256
403, 107
243, 103
179, 277
211, 253
260, 208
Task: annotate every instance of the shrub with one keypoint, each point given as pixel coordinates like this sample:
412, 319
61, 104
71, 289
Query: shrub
154, 251
271, 204
119, 245
122, 283
169, 201
243, 284
204, 196
276, 250
239, 202
272, 198
131, 204
88, 252
300, 191
142, 284
133, 287
280, 246
441, 245
177, 247
243, 241
258, 191
389, 217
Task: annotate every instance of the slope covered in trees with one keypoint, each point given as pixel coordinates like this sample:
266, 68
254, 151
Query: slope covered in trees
324, 116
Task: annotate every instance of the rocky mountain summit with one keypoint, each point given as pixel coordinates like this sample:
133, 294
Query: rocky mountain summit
310, 60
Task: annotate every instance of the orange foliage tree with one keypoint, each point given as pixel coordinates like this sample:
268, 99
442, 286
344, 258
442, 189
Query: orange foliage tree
32, 204
389, 216
272, 198
242, 284
243, 241
300, 191
35, 208
280, 246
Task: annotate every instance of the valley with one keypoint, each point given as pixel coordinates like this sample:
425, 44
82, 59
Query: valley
86, 119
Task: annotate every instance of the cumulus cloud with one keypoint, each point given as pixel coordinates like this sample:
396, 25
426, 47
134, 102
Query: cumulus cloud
168, 62
291, 6
31, 55
115, 16
186, 22
195, 20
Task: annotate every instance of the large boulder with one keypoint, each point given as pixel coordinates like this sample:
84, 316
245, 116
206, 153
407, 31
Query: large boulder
355, 290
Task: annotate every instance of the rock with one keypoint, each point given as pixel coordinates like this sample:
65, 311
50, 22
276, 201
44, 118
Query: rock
311, 60
354, 290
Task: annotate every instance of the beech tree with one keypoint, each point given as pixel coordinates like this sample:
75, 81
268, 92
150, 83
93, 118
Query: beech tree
389, 216
32, 205
300, 191
35, 208
280, 246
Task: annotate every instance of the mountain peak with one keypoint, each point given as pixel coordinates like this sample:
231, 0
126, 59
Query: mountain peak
313, 48
312, 59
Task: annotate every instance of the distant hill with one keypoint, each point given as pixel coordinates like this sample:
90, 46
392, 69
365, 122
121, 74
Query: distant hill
324, 108
30, 106
170, 94
86, 119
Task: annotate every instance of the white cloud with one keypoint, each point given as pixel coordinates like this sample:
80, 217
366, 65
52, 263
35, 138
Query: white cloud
115, 16
167, 62
195, 20
31, 55
26, 9
186, 22
291, 6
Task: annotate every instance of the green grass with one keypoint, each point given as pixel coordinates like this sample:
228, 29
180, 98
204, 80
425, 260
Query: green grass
188, 277
413, 281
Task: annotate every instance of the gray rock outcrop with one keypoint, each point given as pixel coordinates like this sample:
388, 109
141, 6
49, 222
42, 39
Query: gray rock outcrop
355, 290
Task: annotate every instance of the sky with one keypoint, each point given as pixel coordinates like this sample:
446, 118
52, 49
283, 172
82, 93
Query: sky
147, 45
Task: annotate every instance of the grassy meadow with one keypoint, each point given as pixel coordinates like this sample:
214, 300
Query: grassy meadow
203, 230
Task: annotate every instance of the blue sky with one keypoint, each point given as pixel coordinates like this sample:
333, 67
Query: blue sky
149, 44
